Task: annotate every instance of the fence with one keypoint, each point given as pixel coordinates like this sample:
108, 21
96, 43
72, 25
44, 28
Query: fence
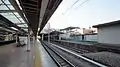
86, 37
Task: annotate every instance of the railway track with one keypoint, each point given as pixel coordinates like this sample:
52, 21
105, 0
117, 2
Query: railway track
82, 57
60, 60
78, 61
80, 51
80, 48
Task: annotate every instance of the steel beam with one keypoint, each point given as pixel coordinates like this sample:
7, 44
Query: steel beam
15, 5
7, 11
20, 23
24, 27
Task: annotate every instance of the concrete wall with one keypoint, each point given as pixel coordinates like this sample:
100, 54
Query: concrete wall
91, 37
110, 35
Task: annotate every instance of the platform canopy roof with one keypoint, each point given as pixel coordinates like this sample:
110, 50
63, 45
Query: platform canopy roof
38, 12
107, 24
29, 13
10, 18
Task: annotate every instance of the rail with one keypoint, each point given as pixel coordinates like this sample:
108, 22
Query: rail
82, 57
60, 60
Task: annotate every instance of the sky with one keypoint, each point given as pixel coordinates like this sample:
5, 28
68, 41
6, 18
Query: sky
85, 13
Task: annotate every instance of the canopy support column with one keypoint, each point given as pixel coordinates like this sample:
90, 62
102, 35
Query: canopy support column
28, 40
42, 37
16, 37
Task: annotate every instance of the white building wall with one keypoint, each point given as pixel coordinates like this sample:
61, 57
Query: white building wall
110, 35
91, 37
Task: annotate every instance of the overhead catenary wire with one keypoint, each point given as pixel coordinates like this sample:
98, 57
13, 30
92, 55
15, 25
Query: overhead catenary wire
80, 5
71, 6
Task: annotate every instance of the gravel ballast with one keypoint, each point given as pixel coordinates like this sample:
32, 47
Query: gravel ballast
108, 58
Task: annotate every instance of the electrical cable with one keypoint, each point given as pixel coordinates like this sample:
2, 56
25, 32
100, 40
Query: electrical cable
77, 6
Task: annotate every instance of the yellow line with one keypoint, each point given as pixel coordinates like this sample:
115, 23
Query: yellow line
37, 61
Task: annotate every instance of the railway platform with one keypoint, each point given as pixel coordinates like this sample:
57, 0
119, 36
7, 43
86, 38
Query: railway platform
44, 59
12, 56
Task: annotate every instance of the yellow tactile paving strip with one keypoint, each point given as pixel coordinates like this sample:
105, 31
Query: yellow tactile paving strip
37, 61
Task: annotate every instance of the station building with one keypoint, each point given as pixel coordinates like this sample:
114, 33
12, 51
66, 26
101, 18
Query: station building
109, 33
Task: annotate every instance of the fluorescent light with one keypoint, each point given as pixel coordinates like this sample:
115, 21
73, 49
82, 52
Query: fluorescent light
19, 4
14, 28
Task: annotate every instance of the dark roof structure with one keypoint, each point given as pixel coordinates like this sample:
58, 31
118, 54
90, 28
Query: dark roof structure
107, 24
5, 23
69, 28
56, 32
